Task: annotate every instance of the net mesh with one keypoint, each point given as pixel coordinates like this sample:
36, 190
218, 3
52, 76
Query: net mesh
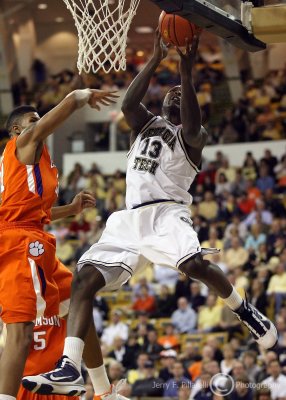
102, 27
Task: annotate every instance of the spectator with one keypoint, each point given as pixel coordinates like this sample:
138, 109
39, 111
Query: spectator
276, 381
64, 250
115, 372
82, 247
172, 385
238, 225
255, 238
132, 349
222, 185
137, 288
169, 340
152, 347
184, 392
277, 286
265, 180
184, 318
119, 349
167, 361
252, 370
238, 186
143, 322
242, 389
138, 373
150, 386
78, 226
258, 296
144, 301
208, 208
205, 392
165, 276
263, 393
165, 302
196, 299
209, 315
228, 359
115, 329
260, 214
236, 255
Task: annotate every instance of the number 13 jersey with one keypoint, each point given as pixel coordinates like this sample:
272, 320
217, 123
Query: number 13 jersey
158, 165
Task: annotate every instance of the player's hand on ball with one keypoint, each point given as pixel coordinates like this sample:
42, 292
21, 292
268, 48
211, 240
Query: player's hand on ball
83, 200
160, 48
188, 57
102, 97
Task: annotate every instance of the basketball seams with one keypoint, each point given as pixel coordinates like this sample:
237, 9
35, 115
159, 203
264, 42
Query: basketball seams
175, 33
175, 29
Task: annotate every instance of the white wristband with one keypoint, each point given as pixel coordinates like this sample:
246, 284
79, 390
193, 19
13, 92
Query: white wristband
81, 96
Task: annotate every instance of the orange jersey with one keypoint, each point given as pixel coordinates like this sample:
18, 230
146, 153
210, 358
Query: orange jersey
27, 191
46, 348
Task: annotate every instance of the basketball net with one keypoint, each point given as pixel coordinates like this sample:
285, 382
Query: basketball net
102, 31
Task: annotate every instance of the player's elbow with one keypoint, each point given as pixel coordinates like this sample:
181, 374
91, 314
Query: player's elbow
195, 137
126, 106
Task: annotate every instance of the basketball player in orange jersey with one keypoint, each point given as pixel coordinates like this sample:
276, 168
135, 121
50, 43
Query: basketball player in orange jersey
29, 287
46, 348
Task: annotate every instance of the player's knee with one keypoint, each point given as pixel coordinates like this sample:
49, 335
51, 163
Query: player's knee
87, 281
20, 335
195, 267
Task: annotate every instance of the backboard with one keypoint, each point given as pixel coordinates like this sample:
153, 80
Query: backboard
221, 17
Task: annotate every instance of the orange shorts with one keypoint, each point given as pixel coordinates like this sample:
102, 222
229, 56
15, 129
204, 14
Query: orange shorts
23, 394
32, 280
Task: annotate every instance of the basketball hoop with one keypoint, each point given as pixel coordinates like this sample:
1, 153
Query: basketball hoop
102, 27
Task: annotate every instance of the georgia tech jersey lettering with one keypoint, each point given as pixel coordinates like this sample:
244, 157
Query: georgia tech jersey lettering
158, 165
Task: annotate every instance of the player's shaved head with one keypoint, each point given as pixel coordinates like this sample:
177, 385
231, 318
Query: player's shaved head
17, 115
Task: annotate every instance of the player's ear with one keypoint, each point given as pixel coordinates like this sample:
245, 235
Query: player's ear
16, 130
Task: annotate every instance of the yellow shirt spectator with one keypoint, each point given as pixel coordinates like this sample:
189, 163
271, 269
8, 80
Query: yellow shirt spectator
210, 314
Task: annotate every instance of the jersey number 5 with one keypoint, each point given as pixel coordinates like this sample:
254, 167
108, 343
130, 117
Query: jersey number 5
154, 148
39, 340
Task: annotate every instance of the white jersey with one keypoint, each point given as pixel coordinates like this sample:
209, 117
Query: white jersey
158, 165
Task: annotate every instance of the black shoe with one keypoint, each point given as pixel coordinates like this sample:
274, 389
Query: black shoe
65, 380
261, 328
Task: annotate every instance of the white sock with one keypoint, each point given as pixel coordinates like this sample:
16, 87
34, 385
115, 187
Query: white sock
99, 380
6, 397
73, 349
234, 301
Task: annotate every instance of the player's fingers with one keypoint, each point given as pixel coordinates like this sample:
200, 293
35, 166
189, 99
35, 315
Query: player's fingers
187, 45
107, 96
195, 44
178, 50
108, 101
96, 106
105, 102
88, 197
86, 192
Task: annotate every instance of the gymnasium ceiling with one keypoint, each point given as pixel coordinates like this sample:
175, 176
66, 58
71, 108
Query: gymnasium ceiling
147, 15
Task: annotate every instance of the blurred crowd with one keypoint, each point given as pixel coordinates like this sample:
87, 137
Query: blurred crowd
259, 115
168, 335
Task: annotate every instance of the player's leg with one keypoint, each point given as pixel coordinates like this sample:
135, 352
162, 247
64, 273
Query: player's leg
13, 359
262, 329
180, 247
66, 378
106, 264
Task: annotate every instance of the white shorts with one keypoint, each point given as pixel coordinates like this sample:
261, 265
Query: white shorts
161, 233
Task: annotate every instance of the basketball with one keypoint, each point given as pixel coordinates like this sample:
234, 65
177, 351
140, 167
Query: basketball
175, 29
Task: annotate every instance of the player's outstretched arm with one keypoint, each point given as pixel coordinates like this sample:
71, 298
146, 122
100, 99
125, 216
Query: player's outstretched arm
134, 111
81, 201
40, 130
194, 136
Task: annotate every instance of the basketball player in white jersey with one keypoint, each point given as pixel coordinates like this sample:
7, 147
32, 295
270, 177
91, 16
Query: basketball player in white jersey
163, 161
